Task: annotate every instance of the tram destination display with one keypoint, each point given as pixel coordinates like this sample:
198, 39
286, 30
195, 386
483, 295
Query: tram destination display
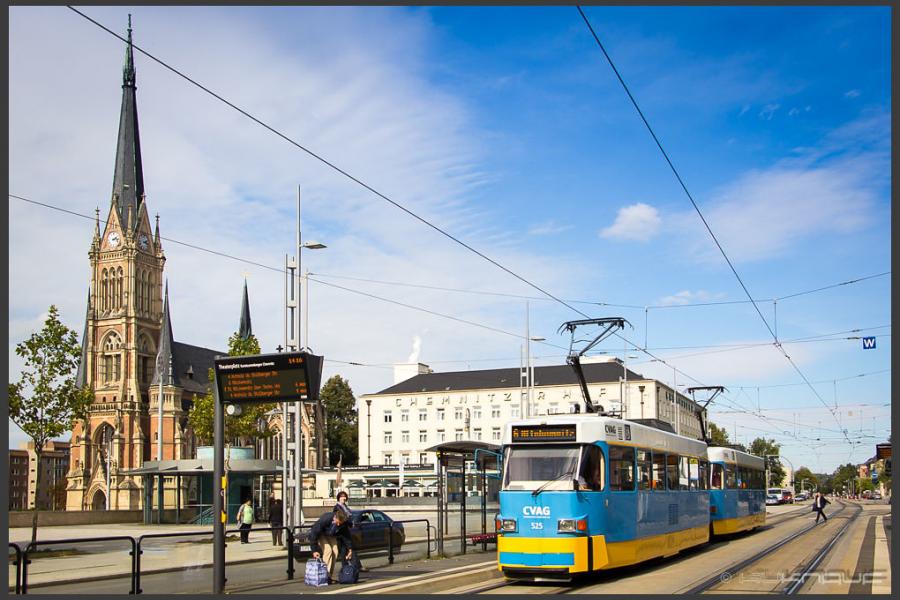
282, 377
543, 433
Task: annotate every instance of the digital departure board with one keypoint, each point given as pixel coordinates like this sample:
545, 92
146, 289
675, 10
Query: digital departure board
543, 433
282, 377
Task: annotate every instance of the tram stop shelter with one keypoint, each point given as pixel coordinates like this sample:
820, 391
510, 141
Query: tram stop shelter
243, 475
452, 483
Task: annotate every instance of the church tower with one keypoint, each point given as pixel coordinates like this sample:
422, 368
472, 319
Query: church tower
122, 330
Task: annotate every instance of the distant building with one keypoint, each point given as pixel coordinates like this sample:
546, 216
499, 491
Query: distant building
18, 479
23, 491
424, 408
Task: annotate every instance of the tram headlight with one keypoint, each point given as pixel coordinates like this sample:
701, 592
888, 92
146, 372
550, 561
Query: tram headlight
572, 525
507, 525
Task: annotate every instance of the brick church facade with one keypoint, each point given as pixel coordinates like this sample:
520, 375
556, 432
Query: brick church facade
129, 354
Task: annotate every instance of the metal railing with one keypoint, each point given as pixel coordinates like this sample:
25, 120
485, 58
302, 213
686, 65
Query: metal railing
390, 540
22, 560
18, 564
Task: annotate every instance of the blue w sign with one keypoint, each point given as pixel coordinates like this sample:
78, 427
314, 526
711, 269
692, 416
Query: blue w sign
868, 343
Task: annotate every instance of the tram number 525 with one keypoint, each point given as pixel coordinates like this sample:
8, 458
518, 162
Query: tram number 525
537, 525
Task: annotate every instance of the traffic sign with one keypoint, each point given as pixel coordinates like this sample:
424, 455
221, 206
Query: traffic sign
869, 343
281, 377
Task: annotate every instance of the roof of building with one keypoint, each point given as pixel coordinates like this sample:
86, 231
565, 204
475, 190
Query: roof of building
507, 378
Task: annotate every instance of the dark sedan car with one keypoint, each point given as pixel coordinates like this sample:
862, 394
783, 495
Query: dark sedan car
369, 530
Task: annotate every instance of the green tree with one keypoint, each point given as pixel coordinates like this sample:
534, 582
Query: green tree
46, 402
718, 436
243, 428
812, 482
342, 421
844, 477
770, 450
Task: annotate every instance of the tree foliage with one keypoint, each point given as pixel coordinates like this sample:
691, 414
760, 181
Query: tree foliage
804, 473
770, 450
242, 428
342, 428
718, 436
46, 402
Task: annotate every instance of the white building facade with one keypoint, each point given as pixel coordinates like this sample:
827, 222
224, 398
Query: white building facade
423, 408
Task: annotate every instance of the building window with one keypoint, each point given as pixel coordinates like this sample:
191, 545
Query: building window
440, 414
388, 458
458, 413
554, 408
514, 411
477, 433
495, 412
495, 434
458, 435
387, 437
387, 416
423, 435
423, 414
423, 458
476, 412
404, 459
441, 437
404, 437
404, 416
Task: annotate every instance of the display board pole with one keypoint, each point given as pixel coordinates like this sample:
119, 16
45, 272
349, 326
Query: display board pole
219, 494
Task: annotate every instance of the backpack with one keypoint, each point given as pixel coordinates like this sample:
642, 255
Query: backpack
349, 573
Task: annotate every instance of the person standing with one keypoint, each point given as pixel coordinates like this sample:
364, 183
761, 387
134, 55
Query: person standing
330, 538
245, 518
276, 520
819, 506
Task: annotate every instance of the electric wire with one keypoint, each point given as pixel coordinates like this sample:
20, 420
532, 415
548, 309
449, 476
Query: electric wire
700, 214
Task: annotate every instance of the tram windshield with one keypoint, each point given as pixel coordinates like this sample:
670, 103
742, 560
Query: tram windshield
532, 467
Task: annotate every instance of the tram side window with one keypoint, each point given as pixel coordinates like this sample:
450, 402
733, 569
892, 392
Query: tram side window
672, 471
683, 473
729, 477
591, 473
741, 478
644, 466
758, 477
659, 471
717, 476
693, 474
621, 468
704, 470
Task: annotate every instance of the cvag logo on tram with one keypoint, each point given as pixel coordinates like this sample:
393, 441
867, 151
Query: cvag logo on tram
536, 511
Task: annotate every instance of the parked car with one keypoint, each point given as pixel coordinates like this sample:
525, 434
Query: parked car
369, 530
876, 496
772, 499
787, 497
802, 496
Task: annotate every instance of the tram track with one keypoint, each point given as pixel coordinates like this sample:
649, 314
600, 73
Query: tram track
810, 568
728, 574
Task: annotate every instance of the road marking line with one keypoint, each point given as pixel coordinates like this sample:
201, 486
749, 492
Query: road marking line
412, 578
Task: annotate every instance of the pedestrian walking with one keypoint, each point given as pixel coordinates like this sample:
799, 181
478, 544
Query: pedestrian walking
330, 538
342, 499
276, 520
245, 518
819, 506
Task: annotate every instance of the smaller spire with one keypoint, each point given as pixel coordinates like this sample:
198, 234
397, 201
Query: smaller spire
246, 329
163, 373
128, 73
97, 222
81, 373
156, 234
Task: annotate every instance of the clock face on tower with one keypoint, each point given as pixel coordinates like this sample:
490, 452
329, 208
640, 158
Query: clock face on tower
143, 241
114, 240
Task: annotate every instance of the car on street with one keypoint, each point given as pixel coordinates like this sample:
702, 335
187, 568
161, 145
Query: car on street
772, 499
876, 496
787, 497
802, 496
369, 530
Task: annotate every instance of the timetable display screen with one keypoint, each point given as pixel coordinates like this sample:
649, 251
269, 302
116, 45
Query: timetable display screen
283, 377
543, 433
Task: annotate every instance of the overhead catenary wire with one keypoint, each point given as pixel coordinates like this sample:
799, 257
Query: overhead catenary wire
703, 218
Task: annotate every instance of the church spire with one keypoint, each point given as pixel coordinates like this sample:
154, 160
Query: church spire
128, 179
246, 329
162, 374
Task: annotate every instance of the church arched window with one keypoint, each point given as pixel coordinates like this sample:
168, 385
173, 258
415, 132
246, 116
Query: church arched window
104, 290
120, 281
111, 360
139, 292
146, 356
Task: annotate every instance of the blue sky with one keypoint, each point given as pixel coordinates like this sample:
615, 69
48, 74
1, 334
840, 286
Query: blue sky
506, 127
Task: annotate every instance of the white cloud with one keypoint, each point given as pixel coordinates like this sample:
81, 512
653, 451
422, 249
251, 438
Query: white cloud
769, 111
852, 94
550, 227
638, 222
689, 297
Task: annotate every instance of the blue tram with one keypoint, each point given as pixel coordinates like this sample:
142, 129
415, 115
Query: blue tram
737, 493
585, 492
